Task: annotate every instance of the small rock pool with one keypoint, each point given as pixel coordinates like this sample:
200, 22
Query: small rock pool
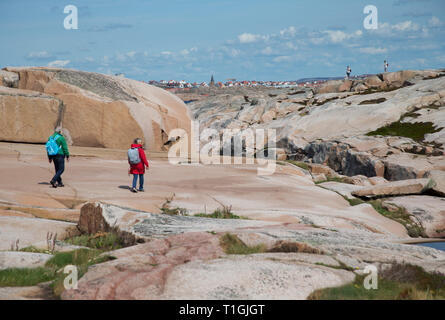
436, 245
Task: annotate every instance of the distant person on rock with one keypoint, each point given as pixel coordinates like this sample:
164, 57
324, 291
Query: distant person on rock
348, 72
138, 163
57, 151
385, 66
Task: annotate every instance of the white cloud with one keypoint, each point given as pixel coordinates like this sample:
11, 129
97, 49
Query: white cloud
58, 63
434, 22
337, 36
249, 38
39, 55
131, 54
291, 31
373, 50
267, 51
282, 59
394, 29
406, 26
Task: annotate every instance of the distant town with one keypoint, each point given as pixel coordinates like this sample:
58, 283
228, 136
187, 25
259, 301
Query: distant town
306, 82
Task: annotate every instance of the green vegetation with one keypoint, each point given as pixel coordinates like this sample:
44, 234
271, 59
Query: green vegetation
225, 212
23, 277
415, 131
231, 244
335, 179
79, 257
53, 269
354, 201
341, 266
373, 101
175, 211
35, 250
401, 216
101, 241
291, 246
399, 282
300, 164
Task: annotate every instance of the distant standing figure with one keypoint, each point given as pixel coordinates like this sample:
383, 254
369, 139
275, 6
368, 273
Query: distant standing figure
138, 163
57, 151
348, 71
385, 66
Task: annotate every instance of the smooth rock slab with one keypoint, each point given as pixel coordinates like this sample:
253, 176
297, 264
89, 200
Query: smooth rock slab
102, 217
139, 272
402, 187
17, 259
344, 189
428, 210
439, 178
29, 231
258, 276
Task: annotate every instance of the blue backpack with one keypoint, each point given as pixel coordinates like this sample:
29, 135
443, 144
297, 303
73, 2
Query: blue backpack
51, 146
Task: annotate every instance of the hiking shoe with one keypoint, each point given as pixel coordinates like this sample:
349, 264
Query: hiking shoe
60, 185
141, 190
134, 190
53, 184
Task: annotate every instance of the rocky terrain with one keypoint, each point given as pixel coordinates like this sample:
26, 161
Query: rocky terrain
94, 110
341, 198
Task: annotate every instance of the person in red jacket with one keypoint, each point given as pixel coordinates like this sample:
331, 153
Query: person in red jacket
138, 170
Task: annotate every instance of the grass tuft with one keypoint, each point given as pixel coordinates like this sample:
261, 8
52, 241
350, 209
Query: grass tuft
102, 241
415, 131
399, 282
231, 244
225, 212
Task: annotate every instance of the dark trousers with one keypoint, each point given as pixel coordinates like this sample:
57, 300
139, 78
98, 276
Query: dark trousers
59, 166
141, 181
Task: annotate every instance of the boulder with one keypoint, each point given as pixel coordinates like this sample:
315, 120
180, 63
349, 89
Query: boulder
377, 180
359, 87
345, 86
397, 79
438, 176
373, 82
9, 79
96, 110
402, 187
330, 86
19, 110
319, 177
316, 168
358, 180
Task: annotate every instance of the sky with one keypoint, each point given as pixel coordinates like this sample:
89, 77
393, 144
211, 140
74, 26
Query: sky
242, 39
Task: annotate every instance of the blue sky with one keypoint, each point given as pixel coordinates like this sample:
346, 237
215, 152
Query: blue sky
243, 39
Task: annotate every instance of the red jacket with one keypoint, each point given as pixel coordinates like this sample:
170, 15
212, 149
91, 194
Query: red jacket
140, 167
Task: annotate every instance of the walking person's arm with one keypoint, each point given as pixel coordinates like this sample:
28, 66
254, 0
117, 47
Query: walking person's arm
65, 148
143, 157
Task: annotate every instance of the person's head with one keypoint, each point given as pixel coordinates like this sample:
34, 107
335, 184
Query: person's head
58, 129
137, 141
